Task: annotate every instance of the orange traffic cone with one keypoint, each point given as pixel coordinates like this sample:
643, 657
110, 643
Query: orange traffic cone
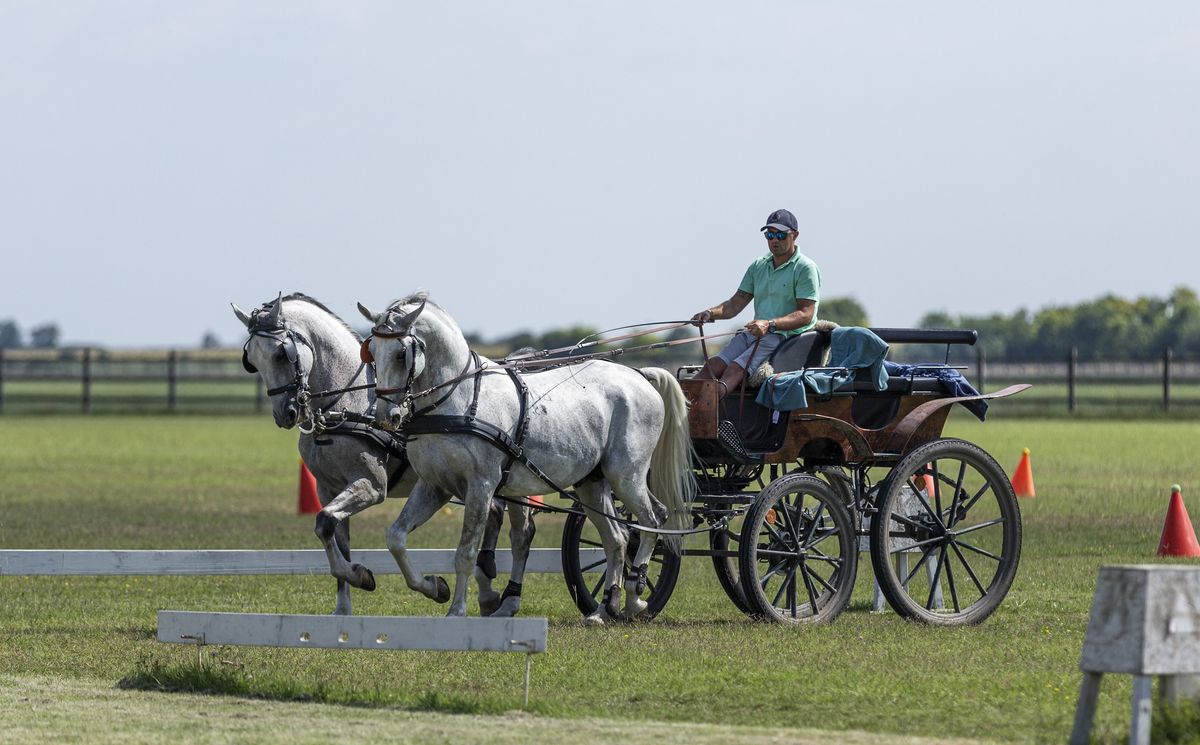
536, 499
308, 503
1178, 536
1022, 480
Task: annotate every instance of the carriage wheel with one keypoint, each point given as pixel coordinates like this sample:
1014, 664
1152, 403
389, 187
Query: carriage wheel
722, 539
585, 579
946, 540
799, 553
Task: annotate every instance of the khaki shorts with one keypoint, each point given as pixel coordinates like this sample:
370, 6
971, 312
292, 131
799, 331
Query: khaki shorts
738, 350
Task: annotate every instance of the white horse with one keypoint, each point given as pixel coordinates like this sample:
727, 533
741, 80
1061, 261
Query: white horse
303, 350
595, 425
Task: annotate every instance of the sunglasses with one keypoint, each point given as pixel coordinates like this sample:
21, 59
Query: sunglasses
772, 236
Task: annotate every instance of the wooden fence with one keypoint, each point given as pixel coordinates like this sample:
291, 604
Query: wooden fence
213, 381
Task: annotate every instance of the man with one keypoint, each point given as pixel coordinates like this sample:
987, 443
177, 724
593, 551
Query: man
786, 288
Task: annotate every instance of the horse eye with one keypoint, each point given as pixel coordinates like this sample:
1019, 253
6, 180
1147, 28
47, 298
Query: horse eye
280, 355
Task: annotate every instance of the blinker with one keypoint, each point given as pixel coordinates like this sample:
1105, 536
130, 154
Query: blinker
364, 352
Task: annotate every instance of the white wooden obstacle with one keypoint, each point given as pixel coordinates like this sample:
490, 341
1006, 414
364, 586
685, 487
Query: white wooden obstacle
526, 635
247, 562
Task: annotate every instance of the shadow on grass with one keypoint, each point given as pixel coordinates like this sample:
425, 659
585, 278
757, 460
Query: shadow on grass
232, 681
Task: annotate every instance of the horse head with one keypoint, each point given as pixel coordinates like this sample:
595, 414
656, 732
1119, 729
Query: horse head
283, 356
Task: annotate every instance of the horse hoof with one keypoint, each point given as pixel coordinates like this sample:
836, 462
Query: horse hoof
441, 589
489, 604
636, 608
594, 620
508, 608
366, 578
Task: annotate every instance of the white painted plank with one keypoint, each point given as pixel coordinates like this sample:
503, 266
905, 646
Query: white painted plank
249, 562
354, 632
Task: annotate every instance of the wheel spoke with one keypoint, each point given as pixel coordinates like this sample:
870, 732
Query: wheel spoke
763, 580
970, 571
785, 509
592, 566
925, 503
935, 583
775, 536
816, 575
977, 550
812, 593
822, 556
788, 579
950, 580
586, 542
816, 520
791, 598
952, 518
937, 489
649, 586
971, 502
904, 520
776, 554
980, 526
599, 584
917, 568
917, 544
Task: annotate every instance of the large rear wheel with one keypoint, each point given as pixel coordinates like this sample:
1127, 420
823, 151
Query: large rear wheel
798, 552
946, 540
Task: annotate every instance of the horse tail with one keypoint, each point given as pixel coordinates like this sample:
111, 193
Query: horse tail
671, 477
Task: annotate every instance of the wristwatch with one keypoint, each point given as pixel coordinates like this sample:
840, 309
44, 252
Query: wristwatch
771, 328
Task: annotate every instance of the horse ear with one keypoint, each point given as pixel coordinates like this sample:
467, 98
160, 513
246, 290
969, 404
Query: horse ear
273, 319
369, 314
241, 315
411, 317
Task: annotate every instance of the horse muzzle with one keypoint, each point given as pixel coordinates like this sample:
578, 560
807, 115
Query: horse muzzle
286, 413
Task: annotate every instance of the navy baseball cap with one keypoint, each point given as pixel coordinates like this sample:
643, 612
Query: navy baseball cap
781, 220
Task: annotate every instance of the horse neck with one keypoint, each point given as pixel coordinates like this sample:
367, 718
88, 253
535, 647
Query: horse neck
336, 361
446, 358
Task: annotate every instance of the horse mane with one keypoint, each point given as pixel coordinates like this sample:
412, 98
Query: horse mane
416, 297
316, 303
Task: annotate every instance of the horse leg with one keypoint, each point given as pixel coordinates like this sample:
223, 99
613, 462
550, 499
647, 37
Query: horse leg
521, 530
424, 501
342, 535
636, 497
355, 498
485, 564
598, 504
478, 499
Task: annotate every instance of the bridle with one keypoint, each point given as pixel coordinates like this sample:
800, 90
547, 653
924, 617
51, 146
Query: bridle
289, 339
401, 330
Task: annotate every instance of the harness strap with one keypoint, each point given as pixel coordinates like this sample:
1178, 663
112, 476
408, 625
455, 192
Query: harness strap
522, 425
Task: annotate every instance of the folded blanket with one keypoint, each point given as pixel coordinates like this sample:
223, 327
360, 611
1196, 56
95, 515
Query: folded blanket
858, 351
952, 382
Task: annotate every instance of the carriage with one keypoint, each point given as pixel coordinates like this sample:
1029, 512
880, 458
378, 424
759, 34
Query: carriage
789, 499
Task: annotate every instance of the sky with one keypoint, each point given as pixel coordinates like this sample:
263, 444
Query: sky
536, 165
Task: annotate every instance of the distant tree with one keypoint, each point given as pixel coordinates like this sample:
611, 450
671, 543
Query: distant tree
210, 341
44, 336
10, 335
844, 311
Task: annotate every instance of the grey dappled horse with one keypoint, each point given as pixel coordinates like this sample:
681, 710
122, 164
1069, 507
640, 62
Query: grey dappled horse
595, 425
300, 348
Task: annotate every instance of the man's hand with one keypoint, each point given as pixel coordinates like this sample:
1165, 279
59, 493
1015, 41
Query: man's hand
757, 328
704, 316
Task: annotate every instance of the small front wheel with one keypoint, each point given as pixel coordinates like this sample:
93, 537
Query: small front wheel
584, 570
946, 540
798, 555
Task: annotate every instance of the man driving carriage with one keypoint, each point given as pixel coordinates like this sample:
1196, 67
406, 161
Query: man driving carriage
786, 288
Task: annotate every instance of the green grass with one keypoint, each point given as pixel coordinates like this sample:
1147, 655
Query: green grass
229, 482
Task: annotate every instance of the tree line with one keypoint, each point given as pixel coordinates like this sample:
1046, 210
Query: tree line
1105, 328
40, 337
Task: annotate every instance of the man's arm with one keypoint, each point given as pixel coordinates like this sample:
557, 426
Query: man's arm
727, 309
799, 318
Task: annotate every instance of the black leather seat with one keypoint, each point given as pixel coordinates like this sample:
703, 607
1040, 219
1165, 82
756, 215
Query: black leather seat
800, 351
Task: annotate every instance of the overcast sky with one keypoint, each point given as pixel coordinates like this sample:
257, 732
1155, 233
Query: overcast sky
541, 164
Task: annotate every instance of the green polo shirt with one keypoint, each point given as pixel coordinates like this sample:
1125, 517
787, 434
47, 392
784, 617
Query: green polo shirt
776, 289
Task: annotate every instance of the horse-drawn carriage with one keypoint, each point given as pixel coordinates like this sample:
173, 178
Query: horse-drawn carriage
787, 494
791, 497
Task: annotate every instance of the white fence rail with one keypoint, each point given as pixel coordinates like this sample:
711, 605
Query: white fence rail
29, 562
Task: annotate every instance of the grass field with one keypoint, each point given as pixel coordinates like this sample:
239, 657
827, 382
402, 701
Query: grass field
229, 482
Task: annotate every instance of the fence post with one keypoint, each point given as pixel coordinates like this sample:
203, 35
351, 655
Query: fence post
980, 370
1, 380
1072, 369
87, 380
1167, 354
172, 380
